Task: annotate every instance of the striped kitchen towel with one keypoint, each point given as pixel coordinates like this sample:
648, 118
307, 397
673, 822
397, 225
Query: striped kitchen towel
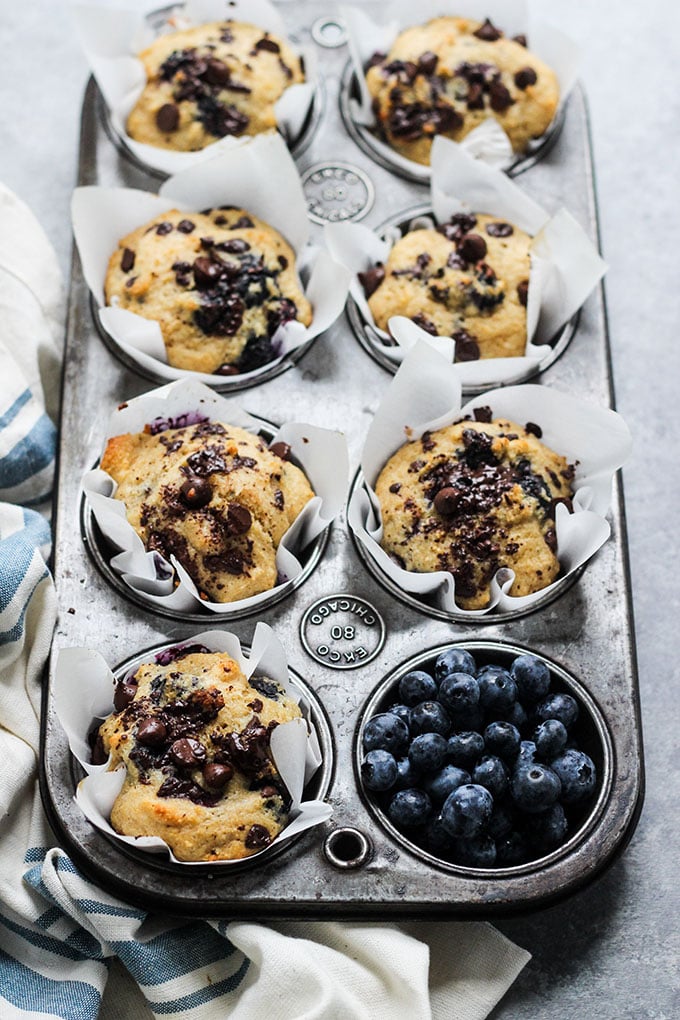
67, 948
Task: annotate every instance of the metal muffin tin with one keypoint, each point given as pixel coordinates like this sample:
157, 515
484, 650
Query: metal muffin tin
350, 867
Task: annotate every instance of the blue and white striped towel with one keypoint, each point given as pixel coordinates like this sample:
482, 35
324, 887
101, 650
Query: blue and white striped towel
67, 948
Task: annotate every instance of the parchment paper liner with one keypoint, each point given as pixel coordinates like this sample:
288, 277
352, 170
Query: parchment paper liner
488, 142
424, 396
83, 692
321, 453
261, 178
113, 36
565, 266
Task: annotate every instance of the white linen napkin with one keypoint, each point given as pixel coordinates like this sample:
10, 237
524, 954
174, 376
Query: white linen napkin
62, 937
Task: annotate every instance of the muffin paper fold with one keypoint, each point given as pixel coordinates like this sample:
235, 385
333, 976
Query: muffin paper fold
565, 265
321, 453
113, 36
425, 395
83, 693
260, 178
488, 142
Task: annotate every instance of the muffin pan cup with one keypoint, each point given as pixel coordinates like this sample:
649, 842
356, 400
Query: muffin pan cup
350, 867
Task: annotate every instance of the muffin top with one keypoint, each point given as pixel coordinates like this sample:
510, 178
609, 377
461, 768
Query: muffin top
450, 75
219, 283
467, 279
193, 734
474, 497
209, 81
213, 496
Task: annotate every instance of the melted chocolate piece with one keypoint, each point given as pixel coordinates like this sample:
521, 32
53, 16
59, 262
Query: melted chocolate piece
167, 118
521, 39
488, 32
257, 837
207, 461
372, 278
124, 693
216, 72
467, 348
472, 247
127, 262
152, 732
187, 752
217, 775
164, 228
249, 749
281, 450
196, 492
427, 62
499, 97
483, 413
533, 429
499, 229
447, 501
525, 77
238, 520
267, 44
425, 323
186, 226
523, 292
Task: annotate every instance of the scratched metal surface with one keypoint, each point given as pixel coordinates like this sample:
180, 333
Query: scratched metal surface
588, 630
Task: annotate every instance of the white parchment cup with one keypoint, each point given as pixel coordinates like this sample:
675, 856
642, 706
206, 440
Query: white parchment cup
113, 36
83, 692
488, 142
565, 265
424, 396
321, 453
261, 178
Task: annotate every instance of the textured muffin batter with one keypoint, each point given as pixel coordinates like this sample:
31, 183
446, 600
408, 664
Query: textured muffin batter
210, 81
468, 279
193, 734
471, 498
450, 75
219, 284
212, 495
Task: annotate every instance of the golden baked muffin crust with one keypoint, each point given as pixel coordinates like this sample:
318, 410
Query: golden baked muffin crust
193, 734
449, 76
212, 495
219, 283
474, 497
209, 81
468, 279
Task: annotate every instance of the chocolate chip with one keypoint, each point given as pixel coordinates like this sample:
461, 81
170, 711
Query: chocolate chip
186, 226
551, 539
521, 39
446, 118
167, 118
499, 97
99, 755
488, 32
227, 370
425, 323
525, 76
427, 62
239, 519
467, 348
281, 450
269, 791
258, 837
395, 487
164, 228
216, 72
217, 775
472, 247
283, 261
236, 246
220, 221
475, 97
244, 223
447, 500
499, 229
523, 292
454, 261
152, 732
187, 752
533, 429
206, 273
124, 693
371, 279
129, 283
127, 262
233, 562
267, 44
196, 492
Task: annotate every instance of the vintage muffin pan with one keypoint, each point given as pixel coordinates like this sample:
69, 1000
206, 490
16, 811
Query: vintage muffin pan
352, 865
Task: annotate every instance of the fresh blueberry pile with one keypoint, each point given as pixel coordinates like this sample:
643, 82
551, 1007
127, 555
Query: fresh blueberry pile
479, 765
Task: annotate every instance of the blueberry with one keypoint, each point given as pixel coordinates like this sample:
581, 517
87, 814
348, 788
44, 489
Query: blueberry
547, 830
459, 692
429, 717
409, 808
417, 686
403, 711
379, 770
437, 839
491, 773
476, 852
532, 677
465, 748
550, 739
454, 660
535, 787
427, 752
503, 739
517, 716
577, 774
467, 810
386, 732
497, 689
439, 785
406, 775
558, 706
501, 822
512, 849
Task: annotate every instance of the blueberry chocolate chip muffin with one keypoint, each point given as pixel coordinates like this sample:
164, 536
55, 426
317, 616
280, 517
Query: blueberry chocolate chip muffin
450, 75
212, 495
219, 283
194, 736
210, 81
474, 497
467, 279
